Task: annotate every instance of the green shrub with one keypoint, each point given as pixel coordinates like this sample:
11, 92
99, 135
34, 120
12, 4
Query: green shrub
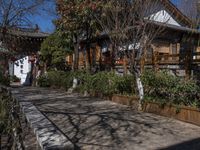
158, 84
43, 81
56, 79
4, 80
5, 109
126, 84
166, 88
14, 79
107, 83
67, 80
161, 87
185, 93
104, 82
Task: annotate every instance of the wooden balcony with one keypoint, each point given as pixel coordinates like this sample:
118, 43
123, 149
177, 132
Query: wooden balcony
173, 59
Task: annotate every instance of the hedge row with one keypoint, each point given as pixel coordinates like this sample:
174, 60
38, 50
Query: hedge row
160, 87
166, 88
107, 83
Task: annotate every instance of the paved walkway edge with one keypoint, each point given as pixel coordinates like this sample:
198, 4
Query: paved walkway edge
48, 136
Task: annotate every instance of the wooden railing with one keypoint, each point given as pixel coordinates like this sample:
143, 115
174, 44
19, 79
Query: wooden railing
164, 59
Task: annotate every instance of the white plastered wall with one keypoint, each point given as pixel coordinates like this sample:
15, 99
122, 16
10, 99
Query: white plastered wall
21, 68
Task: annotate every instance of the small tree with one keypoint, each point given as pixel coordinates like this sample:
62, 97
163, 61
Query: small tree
54, 50
131, 29
76, 19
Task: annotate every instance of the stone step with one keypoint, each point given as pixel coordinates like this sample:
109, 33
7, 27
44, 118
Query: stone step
48, 136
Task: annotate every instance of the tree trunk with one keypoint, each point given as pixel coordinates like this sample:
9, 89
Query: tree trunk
88, 57
125, 65
75, 82
5, 67
139, 84
84, 58
75, 66
76, 56
112, 54
140, 90
93, 57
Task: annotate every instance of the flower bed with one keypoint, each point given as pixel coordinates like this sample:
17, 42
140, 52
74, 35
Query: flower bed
183, 113
131, 101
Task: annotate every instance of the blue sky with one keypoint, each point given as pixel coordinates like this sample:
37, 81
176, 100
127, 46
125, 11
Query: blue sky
44, 22
176, 2
44, 18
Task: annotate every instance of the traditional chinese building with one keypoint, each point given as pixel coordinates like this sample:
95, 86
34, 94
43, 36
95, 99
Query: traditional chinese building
18, 50
177, 48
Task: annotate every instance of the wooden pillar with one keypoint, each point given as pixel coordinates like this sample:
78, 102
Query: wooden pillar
88, 57
98, 56
73, 59
93, 56
125, 65
170, 51
112, 56
178, 46
84, 57
142, 61
155, 58
100, 59
76, 56
188, 60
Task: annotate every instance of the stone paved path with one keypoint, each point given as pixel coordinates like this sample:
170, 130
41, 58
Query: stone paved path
95, 124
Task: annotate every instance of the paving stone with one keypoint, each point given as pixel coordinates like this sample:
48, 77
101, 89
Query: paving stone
48, 136
96, 124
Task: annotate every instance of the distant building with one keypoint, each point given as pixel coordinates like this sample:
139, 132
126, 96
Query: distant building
18, 51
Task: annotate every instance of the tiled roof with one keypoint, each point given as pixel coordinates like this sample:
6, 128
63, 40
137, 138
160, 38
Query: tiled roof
32, 33
178, 28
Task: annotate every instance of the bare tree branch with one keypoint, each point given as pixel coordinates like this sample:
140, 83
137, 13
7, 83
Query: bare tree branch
130, 27
16, 12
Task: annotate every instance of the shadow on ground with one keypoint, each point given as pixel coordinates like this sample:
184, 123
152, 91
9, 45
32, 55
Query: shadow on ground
92, 123
188, 145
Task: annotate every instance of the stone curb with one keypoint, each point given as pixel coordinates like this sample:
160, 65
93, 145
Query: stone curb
48, 136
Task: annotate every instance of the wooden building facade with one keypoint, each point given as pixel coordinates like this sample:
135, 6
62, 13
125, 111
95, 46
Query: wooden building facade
177, 48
